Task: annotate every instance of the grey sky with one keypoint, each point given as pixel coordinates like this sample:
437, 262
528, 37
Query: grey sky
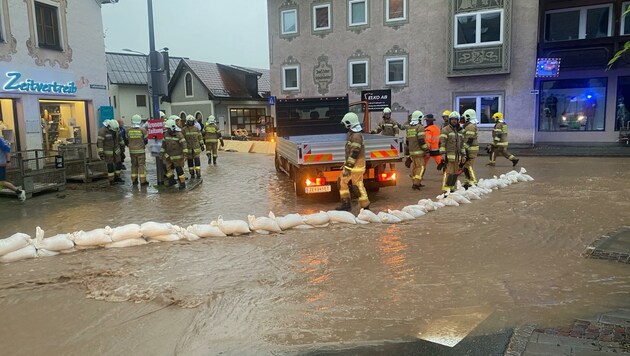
227, 32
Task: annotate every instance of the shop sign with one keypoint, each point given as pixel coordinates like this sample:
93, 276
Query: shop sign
18, 82
377, 99
156, 129
98, 86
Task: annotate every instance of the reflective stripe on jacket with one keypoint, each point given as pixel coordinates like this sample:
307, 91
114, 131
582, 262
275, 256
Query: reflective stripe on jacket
500, 134
355, 148
211, 133
108, 142
136, 137
451, 143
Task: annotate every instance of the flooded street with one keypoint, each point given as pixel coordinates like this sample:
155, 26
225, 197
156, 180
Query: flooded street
510, 259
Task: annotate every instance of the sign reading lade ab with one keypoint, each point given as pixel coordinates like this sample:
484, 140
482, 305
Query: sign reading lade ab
16, 84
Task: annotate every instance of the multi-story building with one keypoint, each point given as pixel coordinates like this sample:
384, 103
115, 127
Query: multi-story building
53, 73
432, 55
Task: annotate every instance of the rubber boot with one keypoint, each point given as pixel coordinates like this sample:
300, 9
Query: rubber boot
171, 182
117, 179
182, 183
514, 162
209, 159
198, 172
416, 186
214, 161
345, 205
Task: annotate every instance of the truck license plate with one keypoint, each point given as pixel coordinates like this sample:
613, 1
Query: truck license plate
318, 189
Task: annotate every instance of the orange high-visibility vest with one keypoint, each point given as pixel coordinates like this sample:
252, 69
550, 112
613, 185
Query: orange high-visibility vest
432, 137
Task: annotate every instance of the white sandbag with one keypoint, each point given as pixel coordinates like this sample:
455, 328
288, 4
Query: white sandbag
13, 243
303, 227
428, 204
438, 205
96, 237
448, 201
527, 177
403, 216
54, 243
164, 238
46, 253
87, 247
262, 232
125, 232
70, 250
127, 243
29, 251
187, 235
317, 219
418, 207
345, 217
471, 195
232, 227
459, 198
151, 228
289, 221
263, 223
416, 213
368, 216
362, 222
205, 230
388, 218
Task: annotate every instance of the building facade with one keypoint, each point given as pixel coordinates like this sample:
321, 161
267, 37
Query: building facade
433, 55
53, 73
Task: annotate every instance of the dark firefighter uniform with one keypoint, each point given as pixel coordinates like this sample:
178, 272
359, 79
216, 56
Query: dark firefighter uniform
108, 144
471, 146
173, 152
194, 140
137, 138
354, 165
211, 137
417, 148
500, 141
452, 151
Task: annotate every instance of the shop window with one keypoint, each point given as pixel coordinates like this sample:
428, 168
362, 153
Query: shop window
479, 28
625, 19
245, 119
289, 22
573, 105
47, 21
396, 71
395, 10
358, 73
321, 17
189, 85
485, 105
63, 123
578, 23
7, 123
358, 13
141, 101
622, 113
291, 78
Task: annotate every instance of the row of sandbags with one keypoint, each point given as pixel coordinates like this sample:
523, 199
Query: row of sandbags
21, 246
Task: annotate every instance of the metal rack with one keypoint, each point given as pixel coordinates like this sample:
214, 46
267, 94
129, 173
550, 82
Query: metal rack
82, 163
35, 171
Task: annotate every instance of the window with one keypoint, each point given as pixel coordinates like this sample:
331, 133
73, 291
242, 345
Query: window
578, 23
358, 73
47, 24
189, 85
573, 104
485, 106
625, 19
141, 101
291, 77
246, 118
622, 115
396, 10
289, 22
396, 71
358, 13
479, 28
321, 17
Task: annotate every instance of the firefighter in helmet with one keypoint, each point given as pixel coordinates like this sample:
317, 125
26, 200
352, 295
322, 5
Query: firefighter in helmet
108, 144
445, 116
212, 137
354, 165
173, 152
417, 148
137, 140
194, 140
471, 146
499, 143
452, 151
388, 127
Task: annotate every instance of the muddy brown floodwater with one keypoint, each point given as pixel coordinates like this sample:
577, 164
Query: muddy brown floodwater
512, 258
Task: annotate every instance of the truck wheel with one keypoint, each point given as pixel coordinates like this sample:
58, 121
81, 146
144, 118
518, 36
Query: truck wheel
298, 182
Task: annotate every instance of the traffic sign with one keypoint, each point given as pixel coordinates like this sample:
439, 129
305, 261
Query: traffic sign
272, 100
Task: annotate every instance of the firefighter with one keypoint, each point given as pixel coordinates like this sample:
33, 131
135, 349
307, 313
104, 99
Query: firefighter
137, 141
194, 140
452, 152
445, 116
388, 127
471, 146
354, 165
174, 149
432, 137
108, 144
211, 137
500, 141
417, 148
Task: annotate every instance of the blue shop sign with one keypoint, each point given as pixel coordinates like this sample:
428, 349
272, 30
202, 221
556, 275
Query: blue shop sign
19, 83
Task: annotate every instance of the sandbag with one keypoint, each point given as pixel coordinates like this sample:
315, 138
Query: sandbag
151, 228
459, 198
205, 230
416, 213
29, 251
231, 227
388, 218
54, 243
368, 216
448, 201
127, 243
418, 207
13, 243
96, 237
46, 253
263, 223
289, 221
317, 219
428, 204
345, 217
362, 222
187, 235
164, 238
304, 227
125, 232
403, 216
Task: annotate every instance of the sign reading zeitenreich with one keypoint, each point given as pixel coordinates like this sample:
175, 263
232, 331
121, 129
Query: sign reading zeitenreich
156, 129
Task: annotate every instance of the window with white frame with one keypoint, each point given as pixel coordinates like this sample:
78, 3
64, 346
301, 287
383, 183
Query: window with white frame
395, 10
625, 19
357, 12
485, 105
291, 77
321, 17
396, 70
289, 22
578, 23
189, 85
358, 73
479, 28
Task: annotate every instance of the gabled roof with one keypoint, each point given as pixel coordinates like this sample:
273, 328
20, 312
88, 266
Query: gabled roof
225, 81
128, 68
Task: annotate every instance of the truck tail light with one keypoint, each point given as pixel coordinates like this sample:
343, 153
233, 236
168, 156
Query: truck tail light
387, 176
315, 182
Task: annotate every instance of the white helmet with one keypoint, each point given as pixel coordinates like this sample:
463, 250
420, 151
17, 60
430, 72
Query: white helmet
415, 117
162, 115
453, 115
351, 122
470, 115
136, 119
171, 123
211, 119
190, 118
112, 124
387, 111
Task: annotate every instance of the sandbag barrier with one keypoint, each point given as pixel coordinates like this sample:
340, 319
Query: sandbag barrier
21, 246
